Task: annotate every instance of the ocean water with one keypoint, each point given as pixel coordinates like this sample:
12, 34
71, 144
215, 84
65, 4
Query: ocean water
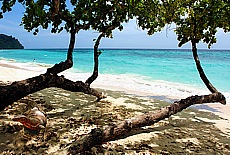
166, 74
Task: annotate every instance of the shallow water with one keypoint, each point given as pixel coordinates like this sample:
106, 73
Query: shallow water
164, 73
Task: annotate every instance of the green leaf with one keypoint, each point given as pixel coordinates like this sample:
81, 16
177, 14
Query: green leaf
1, 16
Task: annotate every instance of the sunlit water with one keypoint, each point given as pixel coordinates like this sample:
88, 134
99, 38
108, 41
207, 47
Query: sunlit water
160, 72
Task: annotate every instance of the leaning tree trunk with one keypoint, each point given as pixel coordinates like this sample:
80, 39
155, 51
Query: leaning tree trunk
99, 135
201, 71
96, 55
57, 68
20, 89
198, 65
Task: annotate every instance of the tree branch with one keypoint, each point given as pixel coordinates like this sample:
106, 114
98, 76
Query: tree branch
200, 69
56, 7
196, 58
57, 68
96, 55
20, 89
108, 133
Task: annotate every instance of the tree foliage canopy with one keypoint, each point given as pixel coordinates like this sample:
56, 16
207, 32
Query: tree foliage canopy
196, 20
153, 15
201, 21
101, 15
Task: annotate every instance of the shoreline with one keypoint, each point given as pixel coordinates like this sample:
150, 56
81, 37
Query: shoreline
72, 115
129, 83
11, 72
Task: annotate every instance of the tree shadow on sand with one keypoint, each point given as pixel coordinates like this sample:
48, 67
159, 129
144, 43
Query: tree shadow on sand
73, 115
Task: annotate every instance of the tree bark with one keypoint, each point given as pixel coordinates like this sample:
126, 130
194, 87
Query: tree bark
201, 72
20, 89
99, 135
203, 77
96, 63
55, 8
200, 69
58, 68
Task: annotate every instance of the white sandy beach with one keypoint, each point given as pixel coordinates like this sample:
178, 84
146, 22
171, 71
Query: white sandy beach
180, 130
11, 71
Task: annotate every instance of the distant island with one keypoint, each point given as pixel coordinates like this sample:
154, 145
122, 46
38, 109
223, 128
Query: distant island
9, 42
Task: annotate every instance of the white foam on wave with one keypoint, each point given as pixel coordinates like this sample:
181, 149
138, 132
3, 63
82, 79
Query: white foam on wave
143, 86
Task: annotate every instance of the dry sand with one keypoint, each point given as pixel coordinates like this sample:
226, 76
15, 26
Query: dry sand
72, 115
12, 72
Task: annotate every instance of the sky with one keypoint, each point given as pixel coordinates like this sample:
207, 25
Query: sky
131, 37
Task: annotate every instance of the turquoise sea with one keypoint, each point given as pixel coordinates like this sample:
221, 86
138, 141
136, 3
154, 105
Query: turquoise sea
169, 72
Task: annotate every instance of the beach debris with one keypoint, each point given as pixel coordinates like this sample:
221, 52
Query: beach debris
35, 120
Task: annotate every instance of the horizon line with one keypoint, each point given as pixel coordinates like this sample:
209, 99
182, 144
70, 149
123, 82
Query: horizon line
122, 48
